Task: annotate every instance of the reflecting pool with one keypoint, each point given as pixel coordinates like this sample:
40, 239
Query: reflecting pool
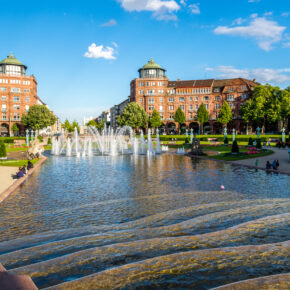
146, 222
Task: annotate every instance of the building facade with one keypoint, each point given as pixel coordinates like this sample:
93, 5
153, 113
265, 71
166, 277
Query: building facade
152, 90
18, 92
116, 111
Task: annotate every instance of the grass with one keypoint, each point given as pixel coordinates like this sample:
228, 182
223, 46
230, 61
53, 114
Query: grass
16, 163
226, 157
16, 149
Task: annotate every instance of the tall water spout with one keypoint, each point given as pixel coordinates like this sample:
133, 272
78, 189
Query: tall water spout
158, 149
68, 147
90, 148
142, 141
150, 144
135, 146
76, 142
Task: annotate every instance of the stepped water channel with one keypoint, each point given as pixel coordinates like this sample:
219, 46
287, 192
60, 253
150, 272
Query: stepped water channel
137, 221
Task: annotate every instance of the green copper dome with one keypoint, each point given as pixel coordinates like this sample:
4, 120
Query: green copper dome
11, 60
151, 64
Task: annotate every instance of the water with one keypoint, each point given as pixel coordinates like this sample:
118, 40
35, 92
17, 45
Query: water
139, 221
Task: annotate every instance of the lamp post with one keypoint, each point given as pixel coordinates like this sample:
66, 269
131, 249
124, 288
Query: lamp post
31, 135
225, 133
247, 131
234, 134
198, 128
283, 135
186, 133
191, 135
27, 137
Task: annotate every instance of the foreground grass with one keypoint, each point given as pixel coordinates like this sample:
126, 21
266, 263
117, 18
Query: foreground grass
225, 157
16, 163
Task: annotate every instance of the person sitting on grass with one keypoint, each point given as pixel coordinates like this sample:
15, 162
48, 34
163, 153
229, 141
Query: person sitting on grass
20, 173
268, 165
24, 169
37, 155
29, 165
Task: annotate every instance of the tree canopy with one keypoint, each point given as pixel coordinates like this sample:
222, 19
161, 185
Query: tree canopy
155, 120
134, 116
267, 104
225, 114
179, 117
202, 115
38, 117
70, 127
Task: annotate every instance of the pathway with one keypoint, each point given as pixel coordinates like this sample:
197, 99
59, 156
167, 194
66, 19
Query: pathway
6, 179
279, 154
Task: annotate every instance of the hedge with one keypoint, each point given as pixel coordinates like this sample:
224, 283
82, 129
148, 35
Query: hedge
2, 149
10, 140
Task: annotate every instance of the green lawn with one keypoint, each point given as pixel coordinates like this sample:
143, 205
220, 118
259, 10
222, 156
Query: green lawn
17, 149
225, 157
16, 163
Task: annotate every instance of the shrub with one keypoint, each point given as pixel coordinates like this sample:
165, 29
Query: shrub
259, 144
250, 142
49, 141
235, 147
2, 149
187, 140
40, 138
226, 140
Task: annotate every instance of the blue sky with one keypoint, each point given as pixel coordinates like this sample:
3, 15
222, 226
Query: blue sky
85, 53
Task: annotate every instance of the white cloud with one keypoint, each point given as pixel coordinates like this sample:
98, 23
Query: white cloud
194, 8
286, 44
265, 32
100, 51
162, 9
263, 75
111, 22
254, 15
238, 21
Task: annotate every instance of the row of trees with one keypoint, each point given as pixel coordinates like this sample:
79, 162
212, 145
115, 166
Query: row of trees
267, 105
135, 116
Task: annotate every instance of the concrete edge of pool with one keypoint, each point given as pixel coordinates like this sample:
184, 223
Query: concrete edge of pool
6, 193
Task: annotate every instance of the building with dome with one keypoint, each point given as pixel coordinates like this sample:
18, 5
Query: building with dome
18, 92
153, 90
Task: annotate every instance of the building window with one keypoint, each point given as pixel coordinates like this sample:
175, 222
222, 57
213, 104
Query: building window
160, 92
231, 105
141, 92
141, 84
196, 107
16, 99
26, 108
190, 99
171, 116
181, 99
141, 100
160, 108
4, 108
230, 89
16, 116
206, 98
3, 89
190, 117
16, 107
16, 90
4, 116
216, 90
217, 98
3, 98
230, 97
27, 99
161, 116
196, 99
190, 107
26, 90
150, 92
150, 100
182, 107
244, 96
206, 105
217, 106
171, 100
171, 108
151, 108
244, 88
161, 100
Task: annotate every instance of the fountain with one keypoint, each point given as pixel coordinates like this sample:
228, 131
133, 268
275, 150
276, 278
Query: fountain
107, 142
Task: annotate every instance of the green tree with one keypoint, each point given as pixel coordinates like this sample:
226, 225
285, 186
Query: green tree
179, 117
246, 110
285, 106
67, 126
38, 117
134, 116
74, 125
202, 115
155, 120
101, 125
3, 153
92, 123
225, 114
15, 129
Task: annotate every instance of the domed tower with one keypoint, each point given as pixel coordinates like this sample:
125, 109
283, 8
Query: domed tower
152, 70
12, 66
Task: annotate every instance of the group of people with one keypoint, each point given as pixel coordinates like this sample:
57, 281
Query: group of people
23, 170
33, 156
274, 165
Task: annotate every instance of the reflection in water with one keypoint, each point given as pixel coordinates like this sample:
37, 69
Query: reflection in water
154, 220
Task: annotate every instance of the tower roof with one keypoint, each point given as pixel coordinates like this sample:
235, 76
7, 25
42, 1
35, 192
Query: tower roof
11, 59
151, 64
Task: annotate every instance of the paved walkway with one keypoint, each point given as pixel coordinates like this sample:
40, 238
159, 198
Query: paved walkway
6, 179
280, 154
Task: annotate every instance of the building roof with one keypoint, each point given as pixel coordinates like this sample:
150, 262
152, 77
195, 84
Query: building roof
211, 82
11, 59
151, 64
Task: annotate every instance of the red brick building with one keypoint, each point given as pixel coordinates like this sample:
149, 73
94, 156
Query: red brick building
153, 90
18, 92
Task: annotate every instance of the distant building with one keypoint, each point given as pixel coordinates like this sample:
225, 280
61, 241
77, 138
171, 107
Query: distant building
18, 92
87, 119
152, 90
105, 116
116, 111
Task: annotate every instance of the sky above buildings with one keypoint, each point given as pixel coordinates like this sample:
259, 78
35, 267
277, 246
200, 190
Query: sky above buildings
85, 53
